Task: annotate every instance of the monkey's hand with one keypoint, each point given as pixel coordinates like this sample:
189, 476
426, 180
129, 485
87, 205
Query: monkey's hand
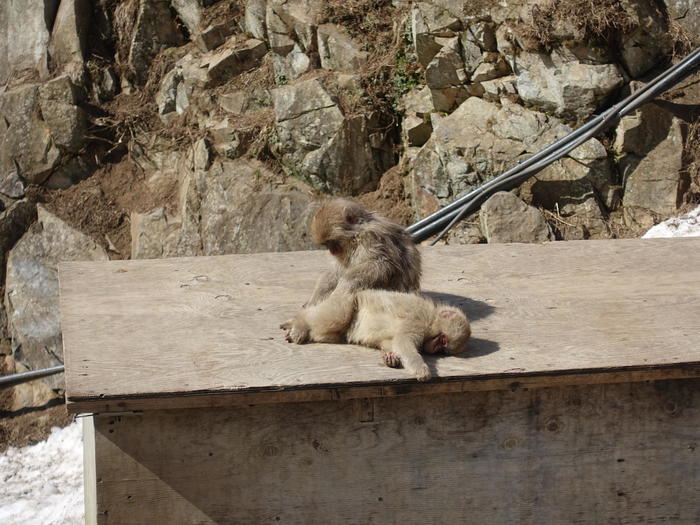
296, 331
420, 369
392, 360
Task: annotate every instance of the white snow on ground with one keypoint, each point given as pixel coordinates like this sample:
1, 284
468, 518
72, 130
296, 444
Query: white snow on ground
43, 484
687, 225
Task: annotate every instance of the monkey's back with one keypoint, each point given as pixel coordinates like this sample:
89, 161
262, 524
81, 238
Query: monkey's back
389, 243
381, 314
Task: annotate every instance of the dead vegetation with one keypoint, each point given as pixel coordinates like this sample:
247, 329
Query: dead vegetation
589, 21
223, 11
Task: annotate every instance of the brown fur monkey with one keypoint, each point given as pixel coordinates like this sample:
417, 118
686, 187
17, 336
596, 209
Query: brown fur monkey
399, 324
369, 251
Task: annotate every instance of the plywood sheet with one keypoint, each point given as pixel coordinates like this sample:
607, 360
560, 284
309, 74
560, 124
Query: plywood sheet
204, 331
623, 453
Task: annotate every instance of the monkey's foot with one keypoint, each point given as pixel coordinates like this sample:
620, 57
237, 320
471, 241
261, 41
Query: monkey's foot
392, 360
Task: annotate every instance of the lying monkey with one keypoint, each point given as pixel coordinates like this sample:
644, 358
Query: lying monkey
399, 324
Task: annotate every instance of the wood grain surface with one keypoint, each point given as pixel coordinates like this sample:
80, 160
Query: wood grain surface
198, 332
618, 453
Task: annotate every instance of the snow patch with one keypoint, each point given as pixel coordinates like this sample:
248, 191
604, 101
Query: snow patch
43, 484
687, 225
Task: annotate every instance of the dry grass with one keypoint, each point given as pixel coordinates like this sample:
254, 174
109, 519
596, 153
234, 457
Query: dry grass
582, 20
222, 11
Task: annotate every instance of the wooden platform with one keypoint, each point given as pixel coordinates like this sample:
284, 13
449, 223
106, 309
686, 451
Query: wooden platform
203, 332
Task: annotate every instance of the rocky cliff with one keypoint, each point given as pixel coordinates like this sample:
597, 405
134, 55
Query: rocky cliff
159, 128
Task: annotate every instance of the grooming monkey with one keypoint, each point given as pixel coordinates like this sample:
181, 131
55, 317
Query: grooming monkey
369, 251
399, 324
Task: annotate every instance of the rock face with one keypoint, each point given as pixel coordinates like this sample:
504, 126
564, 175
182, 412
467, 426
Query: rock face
291, 28
153, 30
686, 14
480, 140
239, 215
15, 219
337, 50
68, 43
31, 290
318, 143
650, 41
231, 207
563, 85
456, 51
41, 129
24, 36
506, 218
651, 144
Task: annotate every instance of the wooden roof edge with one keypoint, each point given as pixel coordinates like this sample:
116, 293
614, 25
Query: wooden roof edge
349, 391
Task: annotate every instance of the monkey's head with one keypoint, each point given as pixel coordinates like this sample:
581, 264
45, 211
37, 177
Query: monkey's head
336, 223
452, 329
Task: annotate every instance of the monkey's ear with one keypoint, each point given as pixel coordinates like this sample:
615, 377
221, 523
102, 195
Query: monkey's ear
447, 314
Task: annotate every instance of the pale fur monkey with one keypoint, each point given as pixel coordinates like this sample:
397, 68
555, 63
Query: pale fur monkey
399, 324
369, 251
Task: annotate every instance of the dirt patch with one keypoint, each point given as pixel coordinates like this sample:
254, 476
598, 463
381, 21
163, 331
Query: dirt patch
31, 425
27, 426
390, 199
100, 206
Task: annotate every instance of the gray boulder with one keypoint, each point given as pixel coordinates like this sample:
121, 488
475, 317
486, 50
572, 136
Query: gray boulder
480, 140
254, 19
687, 15
31, 290
69, 37
318, 143
154, 30
233, 59
24, 36
650, 42
42, 129
416, 125
337, 51
291, 28
560, 83
190, 12
243, 211
15, 219
650, 145
225, 207
506, 218
215, 34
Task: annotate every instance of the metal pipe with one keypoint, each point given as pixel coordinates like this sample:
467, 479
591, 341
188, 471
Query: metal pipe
21, 377
429, 225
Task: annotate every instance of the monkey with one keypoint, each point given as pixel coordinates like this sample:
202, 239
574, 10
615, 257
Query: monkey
369, 251
398, 323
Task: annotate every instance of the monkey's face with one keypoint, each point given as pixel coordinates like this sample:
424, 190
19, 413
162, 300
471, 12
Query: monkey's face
454, 333
335, 247
336, 222
436, 345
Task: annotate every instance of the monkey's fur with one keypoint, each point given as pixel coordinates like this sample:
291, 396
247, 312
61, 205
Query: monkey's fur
399, 324
370, 252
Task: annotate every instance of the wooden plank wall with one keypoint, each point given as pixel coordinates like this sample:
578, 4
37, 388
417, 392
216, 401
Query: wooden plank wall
616, 453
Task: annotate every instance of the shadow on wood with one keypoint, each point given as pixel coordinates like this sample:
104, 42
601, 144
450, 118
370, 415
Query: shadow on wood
472, 308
